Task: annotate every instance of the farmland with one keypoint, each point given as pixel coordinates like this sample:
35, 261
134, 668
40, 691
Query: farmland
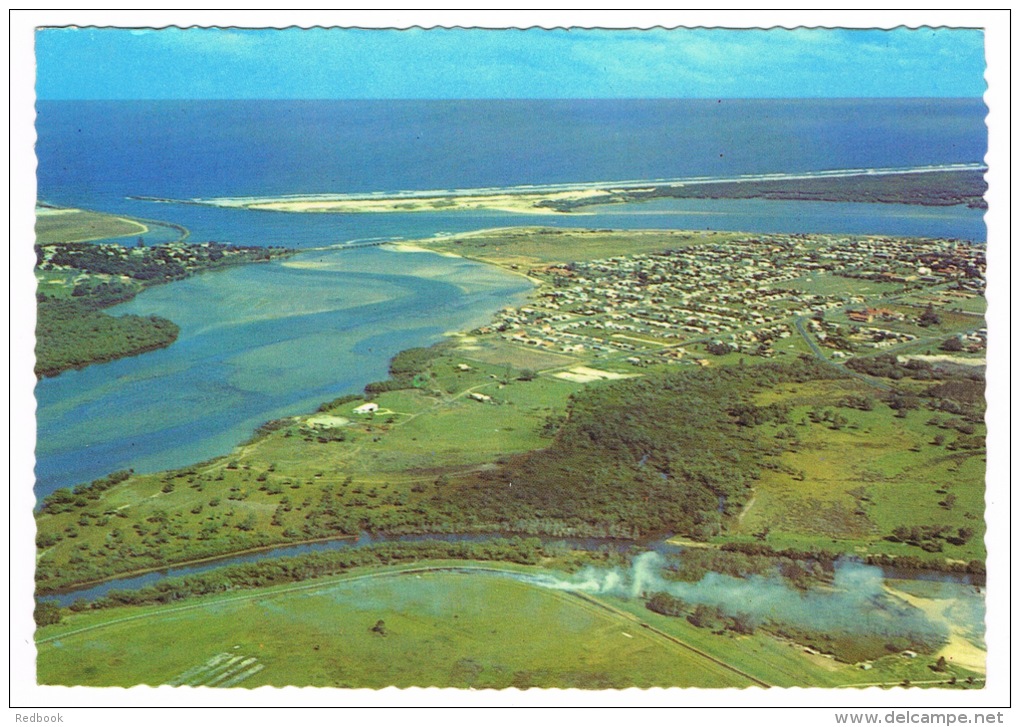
473, 627
438, 629
55, 224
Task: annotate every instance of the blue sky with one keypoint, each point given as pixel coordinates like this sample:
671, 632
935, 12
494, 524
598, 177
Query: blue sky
114, 63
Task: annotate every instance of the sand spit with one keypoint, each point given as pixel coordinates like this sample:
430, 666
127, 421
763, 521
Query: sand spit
49, 211
525, 199
523, 203
407, 247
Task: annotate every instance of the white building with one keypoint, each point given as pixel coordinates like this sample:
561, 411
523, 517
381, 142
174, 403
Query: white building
366, 408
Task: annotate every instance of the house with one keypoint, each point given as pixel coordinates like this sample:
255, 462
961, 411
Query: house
368, 408
885, 314
479, 397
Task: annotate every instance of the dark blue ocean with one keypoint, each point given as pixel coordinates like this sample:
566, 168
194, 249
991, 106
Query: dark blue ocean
268, 341
96, 154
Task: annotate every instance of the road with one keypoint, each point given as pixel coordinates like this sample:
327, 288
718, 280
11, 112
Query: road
820, 355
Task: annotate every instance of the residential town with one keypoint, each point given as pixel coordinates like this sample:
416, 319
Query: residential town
747, 294
145, 263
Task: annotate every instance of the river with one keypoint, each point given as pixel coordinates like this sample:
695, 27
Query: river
658, 545
257, 342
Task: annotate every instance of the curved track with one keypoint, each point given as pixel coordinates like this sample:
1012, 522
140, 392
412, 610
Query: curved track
466, 569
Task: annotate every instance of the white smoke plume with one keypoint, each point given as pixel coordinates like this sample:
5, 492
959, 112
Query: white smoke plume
854, 603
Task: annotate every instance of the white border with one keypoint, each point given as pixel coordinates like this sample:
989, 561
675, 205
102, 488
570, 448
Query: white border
31, 698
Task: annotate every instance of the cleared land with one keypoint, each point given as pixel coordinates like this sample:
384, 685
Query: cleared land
53, 224
848, 487
437, 629
475, 627
522, 246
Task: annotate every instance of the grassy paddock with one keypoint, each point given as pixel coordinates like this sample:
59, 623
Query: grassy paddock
70, 225
850, 487
329, 467
439, 629
542, 246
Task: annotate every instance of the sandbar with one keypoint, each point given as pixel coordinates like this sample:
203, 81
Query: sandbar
407, 247
959, 649
524, 203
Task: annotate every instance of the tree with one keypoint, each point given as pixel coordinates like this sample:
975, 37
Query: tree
929, 317
379, 628
952, 344
47, 613
704, 616
742, 623
527, 375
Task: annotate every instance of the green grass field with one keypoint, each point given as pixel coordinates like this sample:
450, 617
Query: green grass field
488, 350
822, 283
310, 470
412, 626
60, 225
851, 487
541, 246
439, 629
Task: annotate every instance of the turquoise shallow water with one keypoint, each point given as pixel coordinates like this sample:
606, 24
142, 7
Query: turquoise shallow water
257, 342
